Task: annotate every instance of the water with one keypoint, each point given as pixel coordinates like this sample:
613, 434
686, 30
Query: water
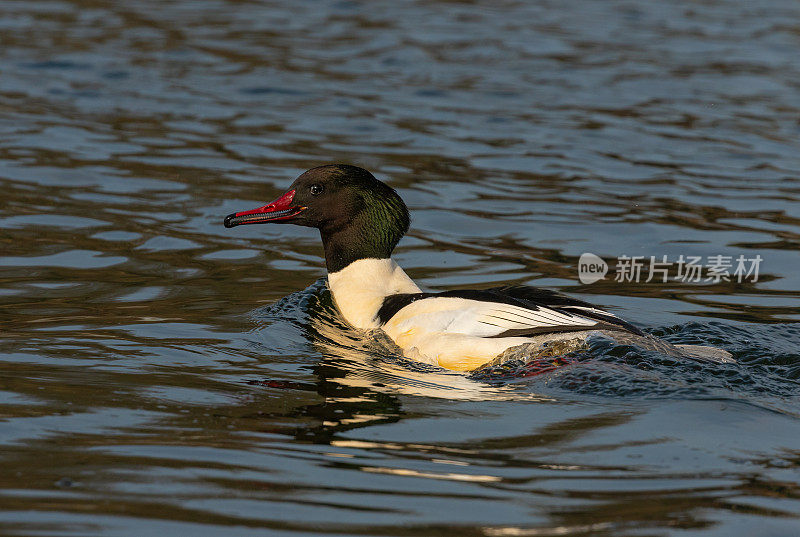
161, 374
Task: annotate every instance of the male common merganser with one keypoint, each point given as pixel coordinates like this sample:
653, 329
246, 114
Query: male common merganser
361, 220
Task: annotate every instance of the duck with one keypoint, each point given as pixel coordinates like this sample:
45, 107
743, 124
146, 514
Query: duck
362, 219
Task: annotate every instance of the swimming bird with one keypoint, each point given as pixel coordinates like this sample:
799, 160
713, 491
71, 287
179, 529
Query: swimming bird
361, 220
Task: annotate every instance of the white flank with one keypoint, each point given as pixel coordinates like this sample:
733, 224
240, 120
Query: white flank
476, 318
456, 333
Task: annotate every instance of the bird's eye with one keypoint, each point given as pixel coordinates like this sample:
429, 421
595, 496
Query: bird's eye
316, 190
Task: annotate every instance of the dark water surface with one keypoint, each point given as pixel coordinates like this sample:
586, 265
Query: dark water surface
163, 375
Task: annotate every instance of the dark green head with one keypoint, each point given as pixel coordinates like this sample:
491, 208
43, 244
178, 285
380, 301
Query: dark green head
358, 216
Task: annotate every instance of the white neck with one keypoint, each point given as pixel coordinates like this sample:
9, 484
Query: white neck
359, 289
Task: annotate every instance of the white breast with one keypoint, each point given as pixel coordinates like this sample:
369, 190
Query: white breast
360, 287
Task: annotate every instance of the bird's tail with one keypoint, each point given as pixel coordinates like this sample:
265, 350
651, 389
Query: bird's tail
648, 342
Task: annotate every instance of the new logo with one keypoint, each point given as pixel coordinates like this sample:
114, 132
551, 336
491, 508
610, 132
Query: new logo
591, 268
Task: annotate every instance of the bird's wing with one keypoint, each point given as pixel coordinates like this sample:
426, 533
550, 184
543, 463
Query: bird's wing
497, 312
484, 319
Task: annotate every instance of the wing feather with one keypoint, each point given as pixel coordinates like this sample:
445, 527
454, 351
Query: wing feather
497, 312
482, 319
